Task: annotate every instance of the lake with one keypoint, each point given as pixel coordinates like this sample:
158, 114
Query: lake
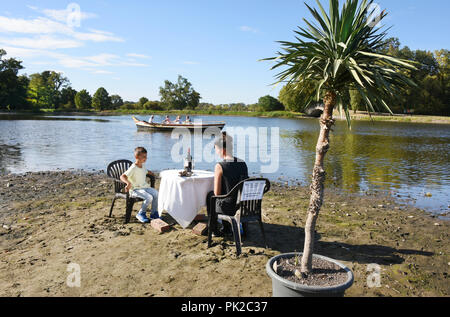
408, 160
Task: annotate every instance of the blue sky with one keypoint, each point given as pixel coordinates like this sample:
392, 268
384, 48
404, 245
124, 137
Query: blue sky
130, 47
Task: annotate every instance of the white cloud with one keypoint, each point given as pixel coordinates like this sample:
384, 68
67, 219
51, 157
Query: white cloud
102, 72
39, 39
62, 15
35, 26
84, 62
97, 36
42, 42
246, 28
42, 25
138, 55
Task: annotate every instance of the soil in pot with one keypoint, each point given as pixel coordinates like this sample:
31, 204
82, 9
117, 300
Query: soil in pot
324, 274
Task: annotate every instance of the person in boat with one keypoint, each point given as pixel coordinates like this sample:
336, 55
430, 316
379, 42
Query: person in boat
151, 119
178, 120
166, 120
227, 175
188, 120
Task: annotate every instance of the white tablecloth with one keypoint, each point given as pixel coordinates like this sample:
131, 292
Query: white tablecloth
184, 197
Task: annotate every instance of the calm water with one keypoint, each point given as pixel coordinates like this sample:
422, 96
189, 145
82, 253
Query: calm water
404, 158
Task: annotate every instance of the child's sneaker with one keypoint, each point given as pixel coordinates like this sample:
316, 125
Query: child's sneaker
154, 215
142, 217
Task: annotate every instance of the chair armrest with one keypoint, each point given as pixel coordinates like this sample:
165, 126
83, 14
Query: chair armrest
152, 180
118, 181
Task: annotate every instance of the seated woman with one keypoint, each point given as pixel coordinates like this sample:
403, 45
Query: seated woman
178, 120
188, 119
227, 175
166, 120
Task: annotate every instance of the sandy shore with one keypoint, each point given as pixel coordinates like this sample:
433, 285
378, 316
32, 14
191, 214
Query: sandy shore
49, 220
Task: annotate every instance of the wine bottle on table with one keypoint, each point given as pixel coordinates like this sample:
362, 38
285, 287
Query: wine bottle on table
188, 162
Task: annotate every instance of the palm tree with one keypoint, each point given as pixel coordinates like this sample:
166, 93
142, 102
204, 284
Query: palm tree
338, 52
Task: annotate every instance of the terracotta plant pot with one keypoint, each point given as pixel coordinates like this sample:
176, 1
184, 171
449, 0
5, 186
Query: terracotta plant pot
285, 288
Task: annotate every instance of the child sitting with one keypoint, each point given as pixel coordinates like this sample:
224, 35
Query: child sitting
136, 179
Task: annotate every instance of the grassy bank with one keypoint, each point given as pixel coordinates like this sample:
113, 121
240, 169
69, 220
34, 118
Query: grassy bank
360, 116
49, 220
401, 118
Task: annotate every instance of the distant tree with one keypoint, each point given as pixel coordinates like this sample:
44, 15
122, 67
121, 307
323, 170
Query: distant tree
142, 101
389, 46
153, 105
180, 95
295, 98
13, 88
253, 107
83, 100
44, 89
356, 101
67, 100
128, 105
269, 103
116, 101
101, 100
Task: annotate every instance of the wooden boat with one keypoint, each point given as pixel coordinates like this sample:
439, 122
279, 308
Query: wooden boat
146, 126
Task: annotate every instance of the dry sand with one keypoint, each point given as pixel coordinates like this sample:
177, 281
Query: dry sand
49, 220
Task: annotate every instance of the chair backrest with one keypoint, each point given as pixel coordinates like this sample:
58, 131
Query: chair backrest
249, 195
115, 170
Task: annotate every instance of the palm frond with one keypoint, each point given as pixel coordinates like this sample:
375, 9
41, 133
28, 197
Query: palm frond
338, 50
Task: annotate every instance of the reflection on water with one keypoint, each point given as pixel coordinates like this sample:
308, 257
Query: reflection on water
405, 158
9, 155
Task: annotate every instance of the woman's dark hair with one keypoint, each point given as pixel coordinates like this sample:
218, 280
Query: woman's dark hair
225, 142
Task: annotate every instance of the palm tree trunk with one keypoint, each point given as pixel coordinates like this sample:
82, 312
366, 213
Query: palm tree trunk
318, 180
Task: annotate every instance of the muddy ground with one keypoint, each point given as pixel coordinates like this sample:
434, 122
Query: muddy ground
50, 220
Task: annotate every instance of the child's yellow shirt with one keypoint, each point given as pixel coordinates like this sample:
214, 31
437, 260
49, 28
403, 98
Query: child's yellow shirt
137, 177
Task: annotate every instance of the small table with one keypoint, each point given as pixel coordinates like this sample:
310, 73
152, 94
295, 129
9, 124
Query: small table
184, 197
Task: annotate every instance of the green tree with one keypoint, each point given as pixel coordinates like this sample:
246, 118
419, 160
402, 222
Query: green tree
101, 100
429, 96
13, 88
295, 99
356, 100
67, 100
153, 105
142, 101
338, 51
180, 95
269, 103
83, 100
44, 89
116, 101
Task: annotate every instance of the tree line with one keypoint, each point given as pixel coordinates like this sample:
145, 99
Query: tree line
431, 96
51, 90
